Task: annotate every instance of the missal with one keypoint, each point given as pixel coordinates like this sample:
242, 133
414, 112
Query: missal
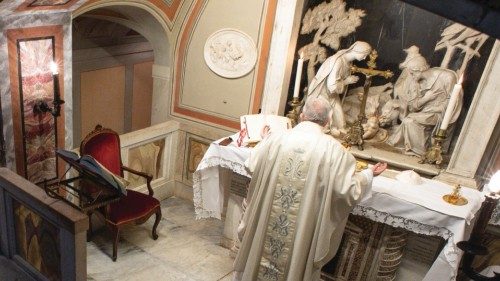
252, 125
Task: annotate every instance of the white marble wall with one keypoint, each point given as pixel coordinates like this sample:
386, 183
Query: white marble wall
173, 180
162, 82
479, 125
281, 55
167, 132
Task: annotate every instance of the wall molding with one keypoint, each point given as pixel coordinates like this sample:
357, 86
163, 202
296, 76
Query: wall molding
183, 42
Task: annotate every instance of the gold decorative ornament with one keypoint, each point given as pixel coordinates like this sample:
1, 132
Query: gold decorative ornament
252, 143
361, 165
433, 155
455, 198
294, 113
355, 132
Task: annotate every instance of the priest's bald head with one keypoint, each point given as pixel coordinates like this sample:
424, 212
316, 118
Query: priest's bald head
317, 110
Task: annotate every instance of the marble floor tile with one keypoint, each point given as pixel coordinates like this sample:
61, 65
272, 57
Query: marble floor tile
187, 249
228, 277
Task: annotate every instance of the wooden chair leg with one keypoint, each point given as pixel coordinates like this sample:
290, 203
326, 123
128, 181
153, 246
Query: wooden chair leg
157, 221
89, 232
116, 234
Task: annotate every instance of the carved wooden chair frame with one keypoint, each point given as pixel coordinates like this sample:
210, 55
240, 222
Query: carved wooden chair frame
104, 211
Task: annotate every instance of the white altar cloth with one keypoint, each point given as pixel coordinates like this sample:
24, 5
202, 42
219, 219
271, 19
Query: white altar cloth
208, 197
389, 204
429, 194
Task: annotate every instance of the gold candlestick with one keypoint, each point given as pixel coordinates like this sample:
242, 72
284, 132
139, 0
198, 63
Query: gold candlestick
433, 155
455, 198
293, 114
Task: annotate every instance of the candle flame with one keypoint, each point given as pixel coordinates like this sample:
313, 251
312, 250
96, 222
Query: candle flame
53, 68
494, 184
461, 79
302, 54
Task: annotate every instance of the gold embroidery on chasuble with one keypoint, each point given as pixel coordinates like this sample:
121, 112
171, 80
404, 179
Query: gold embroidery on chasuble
283, 217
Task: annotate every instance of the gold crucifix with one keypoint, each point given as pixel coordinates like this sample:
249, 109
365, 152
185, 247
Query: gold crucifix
355, 133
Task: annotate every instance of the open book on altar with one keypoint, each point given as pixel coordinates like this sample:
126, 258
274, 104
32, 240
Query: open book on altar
252, 125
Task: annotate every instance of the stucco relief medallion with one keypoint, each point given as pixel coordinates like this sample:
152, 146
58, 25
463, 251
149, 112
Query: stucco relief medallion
230, 53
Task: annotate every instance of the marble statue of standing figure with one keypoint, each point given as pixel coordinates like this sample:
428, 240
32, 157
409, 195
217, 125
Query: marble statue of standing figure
332, 79
426, 96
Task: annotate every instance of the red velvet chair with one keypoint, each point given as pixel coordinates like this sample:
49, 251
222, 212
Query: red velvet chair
135, 208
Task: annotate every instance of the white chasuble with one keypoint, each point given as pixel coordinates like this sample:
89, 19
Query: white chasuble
281, 229
302, 190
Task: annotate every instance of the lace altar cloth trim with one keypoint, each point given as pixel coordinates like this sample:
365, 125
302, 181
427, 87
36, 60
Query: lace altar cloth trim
450, 250
238, 168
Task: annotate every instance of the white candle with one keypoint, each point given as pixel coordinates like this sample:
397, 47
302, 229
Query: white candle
55, 77
297, 77
451, 104
494, 184
53, 68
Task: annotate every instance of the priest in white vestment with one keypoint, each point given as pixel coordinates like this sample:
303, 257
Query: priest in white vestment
303, 188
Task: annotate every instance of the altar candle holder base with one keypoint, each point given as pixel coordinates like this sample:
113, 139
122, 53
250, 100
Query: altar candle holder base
433, 155
457, 201
293, 114
455, 198
355, 134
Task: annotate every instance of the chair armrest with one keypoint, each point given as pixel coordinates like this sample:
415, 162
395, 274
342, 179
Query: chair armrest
147, 176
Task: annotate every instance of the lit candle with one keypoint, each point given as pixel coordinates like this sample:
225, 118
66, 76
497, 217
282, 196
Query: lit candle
494, 184
450, 109
55, 77
298, 76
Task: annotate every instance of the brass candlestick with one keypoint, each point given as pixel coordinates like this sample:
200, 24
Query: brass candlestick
355, 133
455, 198
294, 113
433, 155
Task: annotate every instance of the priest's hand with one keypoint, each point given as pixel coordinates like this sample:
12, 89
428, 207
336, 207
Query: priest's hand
265, 132
378, 168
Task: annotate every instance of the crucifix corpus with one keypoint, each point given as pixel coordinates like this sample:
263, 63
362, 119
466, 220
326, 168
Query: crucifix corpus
355, 133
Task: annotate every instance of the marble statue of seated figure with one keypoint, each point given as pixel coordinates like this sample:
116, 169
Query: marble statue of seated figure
427, 93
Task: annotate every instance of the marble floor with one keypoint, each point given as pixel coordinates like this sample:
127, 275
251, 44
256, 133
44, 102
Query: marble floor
187, 249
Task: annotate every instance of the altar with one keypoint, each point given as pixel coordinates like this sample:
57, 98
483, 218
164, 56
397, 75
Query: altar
400, 207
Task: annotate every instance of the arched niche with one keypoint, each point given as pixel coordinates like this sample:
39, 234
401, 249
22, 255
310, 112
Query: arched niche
145, 19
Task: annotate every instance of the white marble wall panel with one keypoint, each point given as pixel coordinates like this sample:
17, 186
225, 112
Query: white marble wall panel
478, 127
162, 92
7, 7
164, 132
285, 33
